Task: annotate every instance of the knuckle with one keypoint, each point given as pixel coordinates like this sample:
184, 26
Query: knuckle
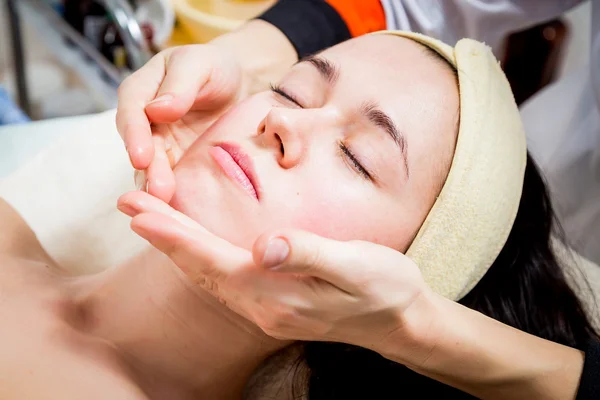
173, 250
363, 279
223, 301
176, 252
207, 284
321, 329
284, 315
315, 259
123, 88
268, 327
271, 328
266, 324
190, 50
273, 322
201, 281
178, 52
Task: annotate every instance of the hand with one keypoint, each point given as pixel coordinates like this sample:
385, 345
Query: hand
164, 106
296, 285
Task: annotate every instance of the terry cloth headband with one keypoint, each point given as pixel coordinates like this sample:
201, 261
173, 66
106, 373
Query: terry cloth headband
473, 215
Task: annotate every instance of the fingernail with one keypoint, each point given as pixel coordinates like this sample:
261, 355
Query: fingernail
161, 99
138, 150
127, 210
157, 184
276, 253
134, 152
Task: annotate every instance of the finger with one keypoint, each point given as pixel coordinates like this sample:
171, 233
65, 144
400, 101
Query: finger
132, 123
204, 265
186, 74
201, 254
134, 203
291, 308
305, 253
276, 302
198, 253
160, 177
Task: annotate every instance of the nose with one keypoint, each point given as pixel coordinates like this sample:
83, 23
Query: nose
282, 131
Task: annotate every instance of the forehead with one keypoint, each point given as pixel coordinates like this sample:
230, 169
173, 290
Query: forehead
387, 48
396, 72
386, 56
418, 90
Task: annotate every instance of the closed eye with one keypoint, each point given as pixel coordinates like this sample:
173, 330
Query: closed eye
356, 165
288, 96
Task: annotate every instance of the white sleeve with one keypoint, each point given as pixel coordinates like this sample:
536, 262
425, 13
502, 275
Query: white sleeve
488, 21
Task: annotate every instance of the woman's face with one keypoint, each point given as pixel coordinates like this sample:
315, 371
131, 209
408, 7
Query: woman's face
352, 144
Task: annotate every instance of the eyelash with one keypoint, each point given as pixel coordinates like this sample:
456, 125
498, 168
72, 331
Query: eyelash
347, 153
280, 91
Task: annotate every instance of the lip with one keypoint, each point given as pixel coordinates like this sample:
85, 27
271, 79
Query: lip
238, 166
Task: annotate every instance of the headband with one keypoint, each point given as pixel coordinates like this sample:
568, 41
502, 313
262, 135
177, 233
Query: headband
473, 215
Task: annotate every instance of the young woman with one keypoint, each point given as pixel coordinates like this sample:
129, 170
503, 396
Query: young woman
353, 144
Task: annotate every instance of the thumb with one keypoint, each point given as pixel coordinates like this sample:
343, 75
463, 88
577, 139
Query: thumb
305, 253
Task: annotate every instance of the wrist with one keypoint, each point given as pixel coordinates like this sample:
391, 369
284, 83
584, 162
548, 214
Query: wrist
418, 330
465, 349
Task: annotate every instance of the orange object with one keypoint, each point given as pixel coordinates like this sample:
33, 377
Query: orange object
361, 16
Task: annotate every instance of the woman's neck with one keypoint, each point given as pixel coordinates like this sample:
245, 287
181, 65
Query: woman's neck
178, 340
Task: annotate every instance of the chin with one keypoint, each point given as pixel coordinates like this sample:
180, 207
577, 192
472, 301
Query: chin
211, 202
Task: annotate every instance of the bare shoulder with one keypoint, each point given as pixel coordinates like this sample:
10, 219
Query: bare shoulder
41, 366
42, 354
16, 238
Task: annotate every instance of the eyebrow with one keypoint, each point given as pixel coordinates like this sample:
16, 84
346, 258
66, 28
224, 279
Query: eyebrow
378, 118
328, 70
330, 73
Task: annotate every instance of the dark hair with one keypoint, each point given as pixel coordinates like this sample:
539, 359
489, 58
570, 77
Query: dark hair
526, 287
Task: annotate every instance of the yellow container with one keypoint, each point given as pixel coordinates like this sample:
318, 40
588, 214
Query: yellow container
204, 20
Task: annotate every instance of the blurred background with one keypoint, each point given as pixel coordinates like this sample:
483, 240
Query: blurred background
67, 57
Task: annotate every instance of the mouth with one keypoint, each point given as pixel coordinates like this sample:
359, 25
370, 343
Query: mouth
238, 166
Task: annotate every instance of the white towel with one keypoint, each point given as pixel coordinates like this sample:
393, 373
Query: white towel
67, 193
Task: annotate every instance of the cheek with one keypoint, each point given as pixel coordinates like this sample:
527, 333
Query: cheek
351, 211
242, 120
201, 186
332, 217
